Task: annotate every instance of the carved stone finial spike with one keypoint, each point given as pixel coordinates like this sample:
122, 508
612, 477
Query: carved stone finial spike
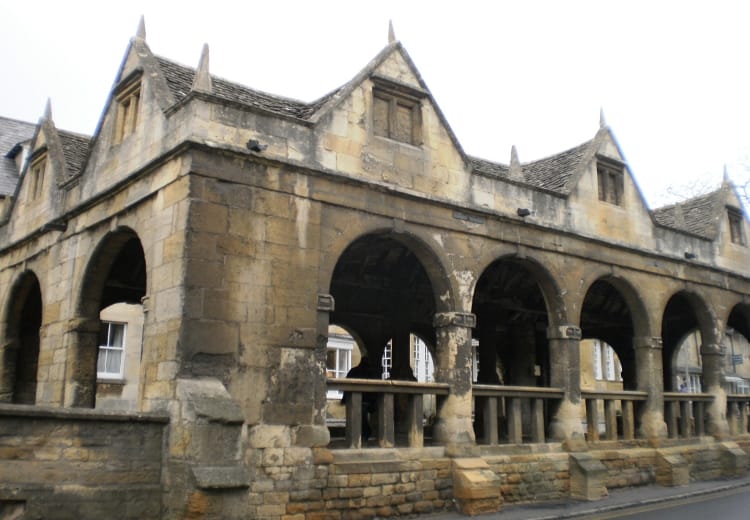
516, 171
602, 120
140, 33
202, 80
726, 175
48, 110
391, 32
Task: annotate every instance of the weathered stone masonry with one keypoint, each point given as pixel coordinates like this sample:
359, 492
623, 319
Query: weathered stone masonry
244, 224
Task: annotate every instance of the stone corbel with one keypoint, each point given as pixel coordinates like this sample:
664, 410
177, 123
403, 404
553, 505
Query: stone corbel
326, 303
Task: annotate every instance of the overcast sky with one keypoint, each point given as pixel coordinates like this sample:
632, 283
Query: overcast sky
673, 77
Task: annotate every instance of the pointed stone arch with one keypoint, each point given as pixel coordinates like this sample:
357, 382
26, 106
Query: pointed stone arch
115, 273
20, 352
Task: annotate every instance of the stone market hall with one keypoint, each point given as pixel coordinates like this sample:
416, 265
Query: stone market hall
167, 288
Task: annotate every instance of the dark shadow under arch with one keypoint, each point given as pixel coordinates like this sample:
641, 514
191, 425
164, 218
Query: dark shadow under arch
684, 313
21, 357
511, 302
384, 287
611, 312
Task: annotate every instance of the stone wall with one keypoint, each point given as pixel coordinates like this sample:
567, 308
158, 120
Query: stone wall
531, 477
58, 463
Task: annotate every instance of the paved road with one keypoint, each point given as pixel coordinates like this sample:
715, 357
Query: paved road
728, 505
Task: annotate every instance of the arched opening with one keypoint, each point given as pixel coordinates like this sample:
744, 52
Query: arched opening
511, 345
384, 297
682, 338
737, 348
21, 357
383, 294
115, 275
512, 323
607, 320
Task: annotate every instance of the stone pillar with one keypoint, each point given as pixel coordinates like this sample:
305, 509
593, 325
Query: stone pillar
453, 366
711, 357
8, 355
565, 373
80, 370
650, 379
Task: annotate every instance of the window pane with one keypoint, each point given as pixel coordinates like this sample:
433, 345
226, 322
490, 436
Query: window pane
113, 361
116, 334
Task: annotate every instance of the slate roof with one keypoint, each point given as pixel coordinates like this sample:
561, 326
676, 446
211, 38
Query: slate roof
180, 81
697, 215
551, 173
12, 132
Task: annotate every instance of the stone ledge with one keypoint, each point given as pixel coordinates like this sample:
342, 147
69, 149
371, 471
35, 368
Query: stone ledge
81, 414
220, 477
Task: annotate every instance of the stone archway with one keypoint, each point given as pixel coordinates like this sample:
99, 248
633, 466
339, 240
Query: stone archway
383, 291
512, 322
20, 359
116, 273
606, 315
684, 313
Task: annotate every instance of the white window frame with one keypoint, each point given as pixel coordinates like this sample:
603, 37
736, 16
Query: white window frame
104, 349
610, 361
343, 348
598, 372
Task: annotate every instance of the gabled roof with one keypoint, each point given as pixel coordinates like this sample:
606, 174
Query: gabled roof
551, 173
12, 132
698, 215
180, 80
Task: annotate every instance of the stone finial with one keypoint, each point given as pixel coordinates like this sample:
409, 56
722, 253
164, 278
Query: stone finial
725, 179
140, 33
602, 120
391, 32
516, 171
48, 111
202, 79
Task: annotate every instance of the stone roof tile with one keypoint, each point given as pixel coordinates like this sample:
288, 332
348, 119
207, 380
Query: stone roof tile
553, 173
697, 215
180, 81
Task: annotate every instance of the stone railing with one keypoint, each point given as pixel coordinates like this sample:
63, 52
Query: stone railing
620, 404
521, 410
738, 409
685, 414
392, 406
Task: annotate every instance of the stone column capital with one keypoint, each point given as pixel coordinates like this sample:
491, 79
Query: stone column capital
455, 319
564, 332
648, 342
